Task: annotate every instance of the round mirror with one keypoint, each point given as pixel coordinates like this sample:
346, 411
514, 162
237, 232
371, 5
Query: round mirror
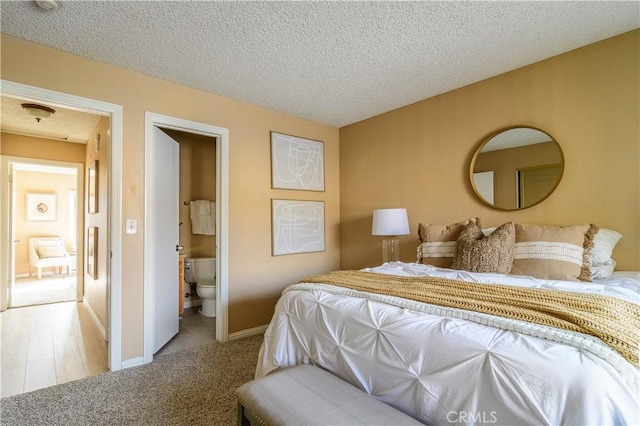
516, 168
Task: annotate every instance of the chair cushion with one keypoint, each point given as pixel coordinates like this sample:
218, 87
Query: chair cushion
51, 251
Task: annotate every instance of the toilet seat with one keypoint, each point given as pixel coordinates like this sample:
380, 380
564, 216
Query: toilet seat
207, 283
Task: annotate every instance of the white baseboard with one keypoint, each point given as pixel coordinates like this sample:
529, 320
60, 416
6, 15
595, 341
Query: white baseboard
136, 362
248, 332
96, 321
133, 362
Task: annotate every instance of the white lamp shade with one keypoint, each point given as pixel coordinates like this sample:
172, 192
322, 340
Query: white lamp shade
390, 222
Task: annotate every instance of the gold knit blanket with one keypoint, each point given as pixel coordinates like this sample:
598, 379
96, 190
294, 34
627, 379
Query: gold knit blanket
615, 321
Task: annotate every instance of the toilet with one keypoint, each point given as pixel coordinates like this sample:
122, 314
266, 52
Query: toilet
202, 271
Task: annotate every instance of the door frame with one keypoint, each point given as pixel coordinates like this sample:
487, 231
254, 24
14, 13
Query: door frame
114, 221
8, 164
221, 135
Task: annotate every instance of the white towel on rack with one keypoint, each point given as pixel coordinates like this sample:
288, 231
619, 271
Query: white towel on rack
204, 208
203, 217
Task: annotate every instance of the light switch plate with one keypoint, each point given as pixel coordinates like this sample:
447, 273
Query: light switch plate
131, 226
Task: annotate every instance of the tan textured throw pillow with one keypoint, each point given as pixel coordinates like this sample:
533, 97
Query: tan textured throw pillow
554, 252
476, 252
438, 242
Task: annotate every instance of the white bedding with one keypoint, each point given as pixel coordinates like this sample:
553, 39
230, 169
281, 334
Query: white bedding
441, 368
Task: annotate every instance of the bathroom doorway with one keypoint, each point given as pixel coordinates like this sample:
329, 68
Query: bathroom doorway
197, 187
210, 174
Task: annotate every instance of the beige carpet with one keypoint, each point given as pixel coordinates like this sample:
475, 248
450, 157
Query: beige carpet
50, 289
191, 387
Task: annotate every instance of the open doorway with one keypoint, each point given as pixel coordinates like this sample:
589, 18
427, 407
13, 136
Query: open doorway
111, 235
46, 222
49, 329
196, 235
155, 231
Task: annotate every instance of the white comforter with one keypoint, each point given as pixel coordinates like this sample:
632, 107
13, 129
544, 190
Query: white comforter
453, 367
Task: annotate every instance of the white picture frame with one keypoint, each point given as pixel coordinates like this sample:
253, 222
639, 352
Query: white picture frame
297, 226
296, 163
41, 207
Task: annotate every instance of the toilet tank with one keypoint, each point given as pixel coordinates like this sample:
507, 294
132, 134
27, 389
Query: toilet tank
204, 268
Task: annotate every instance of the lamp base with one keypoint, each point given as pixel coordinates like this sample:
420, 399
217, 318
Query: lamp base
390, 249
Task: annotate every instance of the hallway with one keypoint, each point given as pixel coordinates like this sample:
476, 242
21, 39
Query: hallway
47, 345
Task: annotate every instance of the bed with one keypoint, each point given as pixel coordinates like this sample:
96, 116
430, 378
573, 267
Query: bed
446, 365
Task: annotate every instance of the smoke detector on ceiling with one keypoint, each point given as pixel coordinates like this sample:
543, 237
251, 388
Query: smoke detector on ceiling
39, 112
48, 5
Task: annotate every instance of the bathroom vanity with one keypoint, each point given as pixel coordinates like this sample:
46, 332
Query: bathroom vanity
181, 284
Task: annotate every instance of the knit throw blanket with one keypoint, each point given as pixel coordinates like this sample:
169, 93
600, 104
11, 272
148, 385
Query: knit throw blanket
615, 321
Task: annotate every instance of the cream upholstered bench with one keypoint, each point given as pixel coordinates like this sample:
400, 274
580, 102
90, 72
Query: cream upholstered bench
308, 395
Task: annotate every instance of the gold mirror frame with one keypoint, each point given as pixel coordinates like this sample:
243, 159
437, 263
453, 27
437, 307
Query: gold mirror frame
530, 152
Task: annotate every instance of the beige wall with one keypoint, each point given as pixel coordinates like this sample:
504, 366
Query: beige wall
45, 183
42, 149
95, 288
418, 156
256, 279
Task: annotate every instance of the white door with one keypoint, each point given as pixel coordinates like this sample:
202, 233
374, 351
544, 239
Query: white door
166, 237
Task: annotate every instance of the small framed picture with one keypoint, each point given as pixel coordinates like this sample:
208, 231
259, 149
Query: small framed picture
92, 188
41, 207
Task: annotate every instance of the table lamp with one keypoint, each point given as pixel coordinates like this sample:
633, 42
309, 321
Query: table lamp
390, 223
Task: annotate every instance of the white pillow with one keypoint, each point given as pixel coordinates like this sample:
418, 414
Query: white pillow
603, 270
488, 231
51, 251
50, 242
603, 244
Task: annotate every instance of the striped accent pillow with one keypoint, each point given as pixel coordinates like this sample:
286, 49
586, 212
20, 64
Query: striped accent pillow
554, 252
438, 242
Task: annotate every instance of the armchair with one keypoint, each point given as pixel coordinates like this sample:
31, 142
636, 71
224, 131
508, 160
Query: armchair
48, 252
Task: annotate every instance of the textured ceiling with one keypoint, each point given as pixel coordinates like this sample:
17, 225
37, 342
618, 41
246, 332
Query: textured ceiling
65, 125
332, 62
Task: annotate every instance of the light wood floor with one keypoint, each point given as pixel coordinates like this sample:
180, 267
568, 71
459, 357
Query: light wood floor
47, 345
52, 344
